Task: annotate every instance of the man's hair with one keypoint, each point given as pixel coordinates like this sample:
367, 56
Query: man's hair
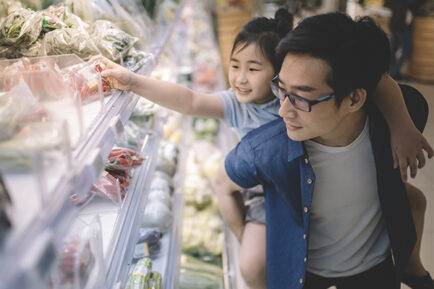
358, 52
266, 34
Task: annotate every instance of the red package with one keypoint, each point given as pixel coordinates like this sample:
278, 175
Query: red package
123, 159
76, 261
99, 67
108, 187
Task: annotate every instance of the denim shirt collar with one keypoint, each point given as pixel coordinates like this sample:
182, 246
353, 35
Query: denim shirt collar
295, 149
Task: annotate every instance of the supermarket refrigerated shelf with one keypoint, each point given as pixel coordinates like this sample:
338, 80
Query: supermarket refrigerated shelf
29, 252
121, 249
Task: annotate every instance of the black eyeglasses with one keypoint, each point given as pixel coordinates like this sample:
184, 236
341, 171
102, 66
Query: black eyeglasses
298, 102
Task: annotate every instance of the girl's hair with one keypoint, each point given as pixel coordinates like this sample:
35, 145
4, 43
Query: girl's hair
266, 33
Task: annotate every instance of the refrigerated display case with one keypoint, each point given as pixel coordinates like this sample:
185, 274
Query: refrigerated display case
48, 198
79, 228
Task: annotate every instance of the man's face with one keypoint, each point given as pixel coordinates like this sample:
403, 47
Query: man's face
249, 75
305, 76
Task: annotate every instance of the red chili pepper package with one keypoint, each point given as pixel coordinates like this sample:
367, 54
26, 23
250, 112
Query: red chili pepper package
123, 179
98, 66
122, 159
108, 187
84, 80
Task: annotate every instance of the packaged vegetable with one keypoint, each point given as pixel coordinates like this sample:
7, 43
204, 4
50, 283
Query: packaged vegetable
70, 41
84, 80
16, 153
21, 27
123, 178
42, 76
123, 159
136, 59
143, 277
111, 41
80, 256
143, 113
161, 184
139, 278
165, 178
108, 187
64, 14
14, 105
133, 136
98, 66
148, 244
167, 158
157, 215
35, 50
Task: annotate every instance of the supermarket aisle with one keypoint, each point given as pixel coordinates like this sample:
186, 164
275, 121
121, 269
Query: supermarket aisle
425, 181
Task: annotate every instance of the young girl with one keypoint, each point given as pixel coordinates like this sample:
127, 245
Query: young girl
248, 104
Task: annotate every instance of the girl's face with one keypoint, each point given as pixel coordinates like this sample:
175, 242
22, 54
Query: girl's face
250, 74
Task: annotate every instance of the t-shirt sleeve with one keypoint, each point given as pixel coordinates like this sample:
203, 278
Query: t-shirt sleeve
230, 105
240, 166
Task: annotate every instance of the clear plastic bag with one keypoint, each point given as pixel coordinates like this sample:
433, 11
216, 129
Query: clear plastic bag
161, 196
16, 152
136, 59
111, 41
148, 244
157, 215
63, 13
122, 159
80, 257
132, 137
108, 187
167, 158
84, 80
14, 105
70, 41
21, 27
143, 114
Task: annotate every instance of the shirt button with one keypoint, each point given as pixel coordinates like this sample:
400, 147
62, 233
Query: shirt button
309, 181
305, 209
301, 281
305, 259
306, 161
304, 236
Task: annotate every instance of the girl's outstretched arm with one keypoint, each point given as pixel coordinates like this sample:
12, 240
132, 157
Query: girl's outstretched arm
407, 142
167, 94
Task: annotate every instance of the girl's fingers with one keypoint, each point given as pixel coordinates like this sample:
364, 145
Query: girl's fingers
403, 169
395, 159
428, 149
413, 167
421, 159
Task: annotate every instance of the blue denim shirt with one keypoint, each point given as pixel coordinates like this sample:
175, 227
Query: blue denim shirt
267, 156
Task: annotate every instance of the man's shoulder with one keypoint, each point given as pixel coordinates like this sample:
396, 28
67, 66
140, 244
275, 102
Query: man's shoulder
268, 134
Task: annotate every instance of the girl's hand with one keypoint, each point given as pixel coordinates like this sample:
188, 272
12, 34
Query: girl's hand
118, 77
408, 145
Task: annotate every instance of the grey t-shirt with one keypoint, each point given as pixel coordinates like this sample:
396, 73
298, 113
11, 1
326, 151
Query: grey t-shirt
244, 117
347, 233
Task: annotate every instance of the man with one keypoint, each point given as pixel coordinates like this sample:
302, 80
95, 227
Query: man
337, 212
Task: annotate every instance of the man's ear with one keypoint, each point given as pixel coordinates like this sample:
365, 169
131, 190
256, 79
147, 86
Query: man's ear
357, 99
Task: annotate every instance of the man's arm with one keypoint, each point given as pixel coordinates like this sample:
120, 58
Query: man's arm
407, 142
